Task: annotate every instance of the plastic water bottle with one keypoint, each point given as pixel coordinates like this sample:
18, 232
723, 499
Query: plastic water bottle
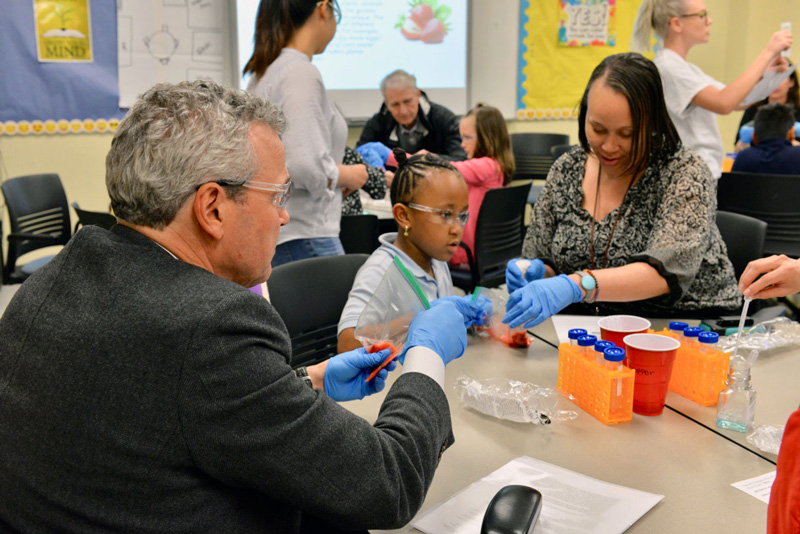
574, 334
708, 342
676, 328
599, 351
586, 346
737, 402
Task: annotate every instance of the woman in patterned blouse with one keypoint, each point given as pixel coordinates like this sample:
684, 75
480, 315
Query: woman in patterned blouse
626, 221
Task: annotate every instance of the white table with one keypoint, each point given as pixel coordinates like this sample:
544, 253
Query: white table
668, 455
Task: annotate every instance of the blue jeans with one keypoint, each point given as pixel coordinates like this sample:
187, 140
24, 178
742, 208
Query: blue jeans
300, 249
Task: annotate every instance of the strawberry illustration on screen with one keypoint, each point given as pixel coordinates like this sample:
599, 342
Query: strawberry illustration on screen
426, 21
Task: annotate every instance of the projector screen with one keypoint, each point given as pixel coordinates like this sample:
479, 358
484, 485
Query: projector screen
376, 37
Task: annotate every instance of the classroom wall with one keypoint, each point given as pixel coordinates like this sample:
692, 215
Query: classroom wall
740, 30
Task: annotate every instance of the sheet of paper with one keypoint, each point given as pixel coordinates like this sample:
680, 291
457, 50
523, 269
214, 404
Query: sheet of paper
564, 323
758, 487
768, 83
571, 502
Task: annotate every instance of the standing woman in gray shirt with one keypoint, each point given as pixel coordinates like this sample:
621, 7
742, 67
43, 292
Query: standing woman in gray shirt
288, 34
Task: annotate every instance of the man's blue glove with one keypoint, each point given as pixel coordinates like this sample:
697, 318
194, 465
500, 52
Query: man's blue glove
441, 329
374, 153
346, 374
541, 299
474, 312
515, 278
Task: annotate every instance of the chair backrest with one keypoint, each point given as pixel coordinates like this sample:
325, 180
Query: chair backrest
37, 206
532, 153
744, 238
500, 228
771, 198
359, 233
559, 150
95, 218
310, 295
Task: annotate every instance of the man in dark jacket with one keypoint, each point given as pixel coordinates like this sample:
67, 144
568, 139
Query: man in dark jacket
409, 120
772, 151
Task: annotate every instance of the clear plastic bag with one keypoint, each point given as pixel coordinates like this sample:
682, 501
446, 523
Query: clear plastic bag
775, 333
385, 319
767, 438
520, 402
495, 328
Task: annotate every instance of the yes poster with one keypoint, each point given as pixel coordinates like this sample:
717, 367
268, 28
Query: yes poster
63, 30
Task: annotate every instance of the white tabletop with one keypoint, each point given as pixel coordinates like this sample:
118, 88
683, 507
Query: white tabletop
668, 455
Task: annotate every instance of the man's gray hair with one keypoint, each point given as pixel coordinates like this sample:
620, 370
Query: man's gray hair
398, 79
177, 137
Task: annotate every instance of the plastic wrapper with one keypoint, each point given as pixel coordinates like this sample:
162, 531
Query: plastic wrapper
773, 334
520, 402
767, 438
495, 328
385, 319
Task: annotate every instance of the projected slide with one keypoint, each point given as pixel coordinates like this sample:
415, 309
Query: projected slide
428, 38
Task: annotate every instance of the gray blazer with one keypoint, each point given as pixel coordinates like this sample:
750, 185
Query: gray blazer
139, 393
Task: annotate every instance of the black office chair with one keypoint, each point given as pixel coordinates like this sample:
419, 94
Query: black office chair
744, 238
559, 150
94, 218
498, 238
532, 154
771, 198
310, 295
39, 217
359, 233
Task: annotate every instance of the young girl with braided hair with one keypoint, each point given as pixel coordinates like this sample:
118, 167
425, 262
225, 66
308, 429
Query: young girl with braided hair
430, 205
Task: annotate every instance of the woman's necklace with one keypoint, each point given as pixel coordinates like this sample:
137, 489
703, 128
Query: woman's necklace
613, 227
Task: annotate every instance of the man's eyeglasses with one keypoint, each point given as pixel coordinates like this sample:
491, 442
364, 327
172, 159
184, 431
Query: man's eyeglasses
282, 192
443, 216
337, 12
702, 15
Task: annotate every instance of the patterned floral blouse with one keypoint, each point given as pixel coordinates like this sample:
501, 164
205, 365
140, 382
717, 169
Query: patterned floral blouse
375, 185
667, 221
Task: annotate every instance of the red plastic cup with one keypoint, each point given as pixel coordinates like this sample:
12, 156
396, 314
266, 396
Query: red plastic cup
651, 356
614, 328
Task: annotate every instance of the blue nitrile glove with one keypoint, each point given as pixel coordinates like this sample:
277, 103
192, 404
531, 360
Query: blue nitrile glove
374, 152
346, 374
515, 278
473, 312
441, 329
541, 299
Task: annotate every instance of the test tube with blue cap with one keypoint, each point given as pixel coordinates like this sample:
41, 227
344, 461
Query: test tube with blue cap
599, 348
612, 359
574, 334
586, 346
691, 334
708, 342
677, 328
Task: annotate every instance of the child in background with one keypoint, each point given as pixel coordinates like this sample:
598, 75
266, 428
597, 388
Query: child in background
429, 202
490, 164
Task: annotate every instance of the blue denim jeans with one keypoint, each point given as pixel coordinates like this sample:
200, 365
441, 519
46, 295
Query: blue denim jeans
299, 249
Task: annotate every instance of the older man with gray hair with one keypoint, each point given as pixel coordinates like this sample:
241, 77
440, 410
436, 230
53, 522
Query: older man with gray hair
407, 119
143, 388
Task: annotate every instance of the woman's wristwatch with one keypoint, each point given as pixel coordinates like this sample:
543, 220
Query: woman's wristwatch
589, 285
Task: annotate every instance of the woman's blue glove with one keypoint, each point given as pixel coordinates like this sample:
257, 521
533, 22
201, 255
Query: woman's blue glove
541, 299
374, 153
474, 312
346, 374
515, 279
441, 329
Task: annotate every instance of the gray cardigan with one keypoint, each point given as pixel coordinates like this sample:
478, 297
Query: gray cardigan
139, 393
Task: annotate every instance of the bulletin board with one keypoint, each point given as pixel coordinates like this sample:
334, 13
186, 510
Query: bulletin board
561, 42
59, 67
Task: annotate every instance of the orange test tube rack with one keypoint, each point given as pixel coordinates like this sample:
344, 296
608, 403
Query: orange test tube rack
605, 394
699, 376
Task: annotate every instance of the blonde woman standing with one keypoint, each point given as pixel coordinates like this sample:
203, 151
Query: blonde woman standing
693, 97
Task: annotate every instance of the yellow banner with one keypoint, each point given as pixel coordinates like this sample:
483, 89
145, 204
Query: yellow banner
63, 30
